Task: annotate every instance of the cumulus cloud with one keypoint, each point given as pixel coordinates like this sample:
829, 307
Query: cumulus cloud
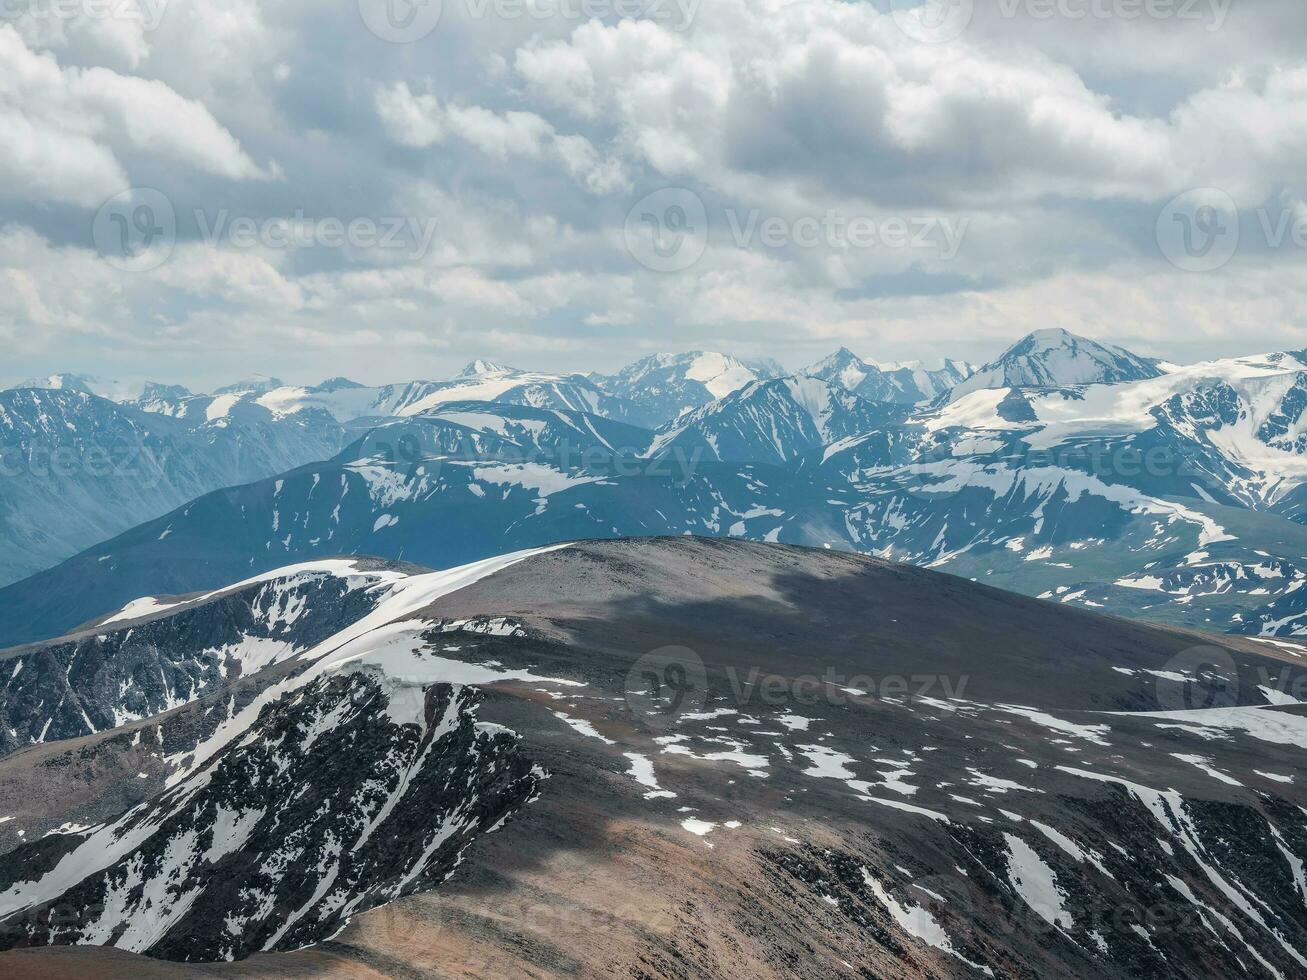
1051, 144
115, 32
73, 127
420, 121
835, 97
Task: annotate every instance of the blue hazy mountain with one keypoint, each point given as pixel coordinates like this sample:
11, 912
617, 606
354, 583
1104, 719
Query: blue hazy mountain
904, 384
78, 468
774, 421
1176, 497
468, 481
664, 386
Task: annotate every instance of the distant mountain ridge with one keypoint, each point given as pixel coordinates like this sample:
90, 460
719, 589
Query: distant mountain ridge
665, 386
79, 468
657, 388
1180, 496
1049, 358
774, 421
904, 384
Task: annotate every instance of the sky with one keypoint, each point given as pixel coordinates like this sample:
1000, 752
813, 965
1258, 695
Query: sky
200, 190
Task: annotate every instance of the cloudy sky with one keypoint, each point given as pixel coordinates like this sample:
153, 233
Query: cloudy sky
196, 190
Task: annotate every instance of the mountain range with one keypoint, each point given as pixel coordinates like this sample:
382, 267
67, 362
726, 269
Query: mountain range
78, 468
696, 669
1090, 477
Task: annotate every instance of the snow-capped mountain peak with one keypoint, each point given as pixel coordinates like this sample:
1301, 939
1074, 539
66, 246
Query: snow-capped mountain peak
89, 384
1056, 357
482, 368
843, 367
773, 421
1045, 339
664, 386
339, 384
721, 374
906, 383
764, 367
256, 385
64, 382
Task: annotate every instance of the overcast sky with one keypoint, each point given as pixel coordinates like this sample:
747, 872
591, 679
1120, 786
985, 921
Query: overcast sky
206, 189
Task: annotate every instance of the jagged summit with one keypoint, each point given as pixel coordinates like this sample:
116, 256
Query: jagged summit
904, 383
256, 384
482, 368
339, 384
1055, 357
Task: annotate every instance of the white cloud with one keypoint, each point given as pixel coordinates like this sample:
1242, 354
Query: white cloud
420, 121
41, 163
116, 31
72, 128
527, 141
411, 120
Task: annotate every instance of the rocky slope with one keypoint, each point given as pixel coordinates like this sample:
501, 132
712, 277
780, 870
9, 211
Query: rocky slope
179, 648
760, 761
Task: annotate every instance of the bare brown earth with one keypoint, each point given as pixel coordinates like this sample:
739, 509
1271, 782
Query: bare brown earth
596, 879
